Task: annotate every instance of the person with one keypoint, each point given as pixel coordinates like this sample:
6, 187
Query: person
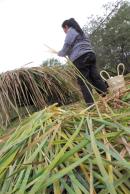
77, 47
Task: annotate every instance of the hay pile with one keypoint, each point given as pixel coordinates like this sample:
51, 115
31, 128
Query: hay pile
30, 89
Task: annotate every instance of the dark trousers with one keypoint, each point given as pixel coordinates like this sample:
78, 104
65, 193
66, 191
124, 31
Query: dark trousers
86, 64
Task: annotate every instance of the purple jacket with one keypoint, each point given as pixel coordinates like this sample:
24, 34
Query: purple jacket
75, 45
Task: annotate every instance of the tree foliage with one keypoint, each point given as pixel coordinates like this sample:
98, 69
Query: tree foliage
51, 62
111, 40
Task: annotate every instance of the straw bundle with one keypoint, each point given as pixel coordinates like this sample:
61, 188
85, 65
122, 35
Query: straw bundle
38, 87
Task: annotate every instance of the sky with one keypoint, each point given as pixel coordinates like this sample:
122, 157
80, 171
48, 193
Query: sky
26, 25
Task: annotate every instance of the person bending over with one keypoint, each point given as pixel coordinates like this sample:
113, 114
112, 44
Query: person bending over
77, 47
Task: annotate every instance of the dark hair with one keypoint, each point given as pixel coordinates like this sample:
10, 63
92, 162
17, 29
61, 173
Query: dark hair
72, 23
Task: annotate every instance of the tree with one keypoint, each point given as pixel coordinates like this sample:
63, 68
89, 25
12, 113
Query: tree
51, 62
111, 41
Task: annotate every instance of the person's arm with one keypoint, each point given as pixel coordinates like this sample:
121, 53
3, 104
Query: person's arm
69, 41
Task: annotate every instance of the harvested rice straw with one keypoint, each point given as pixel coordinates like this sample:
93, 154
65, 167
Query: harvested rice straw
51, 50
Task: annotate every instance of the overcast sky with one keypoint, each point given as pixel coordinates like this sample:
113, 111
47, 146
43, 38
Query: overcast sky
26, 25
